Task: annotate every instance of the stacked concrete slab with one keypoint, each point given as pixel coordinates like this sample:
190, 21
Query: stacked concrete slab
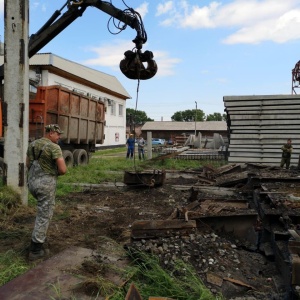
259, 125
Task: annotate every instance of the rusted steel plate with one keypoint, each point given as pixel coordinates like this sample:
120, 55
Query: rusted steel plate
156, 228
214, 279
231, 168
239, 282
163, 224
294, 248
40, 282
295, 235
295, 269
146, 178
133, 293
232, 179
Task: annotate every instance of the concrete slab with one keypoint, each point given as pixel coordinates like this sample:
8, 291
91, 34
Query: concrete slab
41, 281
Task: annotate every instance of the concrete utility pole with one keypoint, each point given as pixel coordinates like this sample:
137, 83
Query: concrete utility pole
16, 94
149, 144
196, 120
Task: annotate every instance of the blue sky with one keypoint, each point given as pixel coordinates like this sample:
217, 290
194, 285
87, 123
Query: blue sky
204, 49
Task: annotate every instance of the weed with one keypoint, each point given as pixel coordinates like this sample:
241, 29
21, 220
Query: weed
57, 290
151, 279
11, 265
9, 200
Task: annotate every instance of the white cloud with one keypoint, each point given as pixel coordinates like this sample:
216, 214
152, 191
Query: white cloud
142, 9
1, 7
108, 55
278, 30
253, 21
34, 4
222, 80
201, 17
164, 8
111, 55
165, 63
37, 5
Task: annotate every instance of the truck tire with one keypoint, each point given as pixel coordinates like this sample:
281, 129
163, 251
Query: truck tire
68, 157
80, 157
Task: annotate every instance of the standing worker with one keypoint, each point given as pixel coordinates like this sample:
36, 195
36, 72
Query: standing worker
287, 150
44, 162
130, 146
141, 145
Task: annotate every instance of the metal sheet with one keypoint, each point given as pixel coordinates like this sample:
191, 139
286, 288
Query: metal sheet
39, 282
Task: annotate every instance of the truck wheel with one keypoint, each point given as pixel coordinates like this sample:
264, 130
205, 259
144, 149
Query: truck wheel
68, 157
80, 157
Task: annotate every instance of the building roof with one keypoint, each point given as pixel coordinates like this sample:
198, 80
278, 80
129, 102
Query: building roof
102, 79
185, 126
109, 82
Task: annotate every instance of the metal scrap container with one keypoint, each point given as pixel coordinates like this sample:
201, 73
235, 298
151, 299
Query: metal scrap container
81, 117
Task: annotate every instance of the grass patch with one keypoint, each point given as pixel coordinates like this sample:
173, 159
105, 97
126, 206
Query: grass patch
103, 167
107, 168
182, 283
110, 151
9, 200
145, 272
11, 266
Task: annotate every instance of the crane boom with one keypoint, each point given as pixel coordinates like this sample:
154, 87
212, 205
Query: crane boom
55, 26
131, 66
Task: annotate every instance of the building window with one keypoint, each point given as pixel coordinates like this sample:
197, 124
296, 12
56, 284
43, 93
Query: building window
120, 110
113, 108
32, 88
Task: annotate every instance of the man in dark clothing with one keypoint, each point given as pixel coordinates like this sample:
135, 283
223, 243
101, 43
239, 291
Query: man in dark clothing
130, 146
287, 150
44, 162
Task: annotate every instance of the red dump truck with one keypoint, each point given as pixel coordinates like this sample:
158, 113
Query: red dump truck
82, 118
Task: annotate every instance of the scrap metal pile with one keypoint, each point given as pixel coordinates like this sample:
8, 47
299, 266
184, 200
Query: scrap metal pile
230, 201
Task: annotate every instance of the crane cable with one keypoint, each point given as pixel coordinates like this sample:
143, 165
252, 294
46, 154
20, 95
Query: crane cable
152, 179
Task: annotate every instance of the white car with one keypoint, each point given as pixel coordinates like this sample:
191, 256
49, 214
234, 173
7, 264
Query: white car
156, 141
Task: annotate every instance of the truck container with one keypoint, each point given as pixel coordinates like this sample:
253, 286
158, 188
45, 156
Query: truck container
80, 117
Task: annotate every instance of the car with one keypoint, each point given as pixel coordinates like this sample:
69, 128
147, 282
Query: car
156, 141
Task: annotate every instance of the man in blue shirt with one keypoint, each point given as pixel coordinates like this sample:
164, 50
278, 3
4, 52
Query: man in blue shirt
130, 146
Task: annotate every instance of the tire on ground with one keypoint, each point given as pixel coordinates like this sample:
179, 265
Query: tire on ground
80, 157
68, 157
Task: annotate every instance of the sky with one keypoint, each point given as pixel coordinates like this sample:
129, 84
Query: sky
204, 50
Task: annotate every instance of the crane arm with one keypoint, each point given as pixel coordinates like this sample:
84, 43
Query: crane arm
131, 66
75, 9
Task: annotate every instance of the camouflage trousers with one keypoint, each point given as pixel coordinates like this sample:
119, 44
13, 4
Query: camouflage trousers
285, 161
43, 188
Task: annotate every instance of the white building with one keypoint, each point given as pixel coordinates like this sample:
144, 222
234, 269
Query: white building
49, 69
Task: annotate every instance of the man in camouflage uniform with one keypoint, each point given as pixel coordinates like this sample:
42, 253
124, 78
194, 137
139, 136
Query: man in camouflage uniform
44, 162
141, 145
287, 150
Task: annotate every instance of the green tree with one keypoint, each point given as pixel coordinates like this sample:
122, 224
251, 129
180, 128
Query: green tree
216, 117
139, 117
188, 115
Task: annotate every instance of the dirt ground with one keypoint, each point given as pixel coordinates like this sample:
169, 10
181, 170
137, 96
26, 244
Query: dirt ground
81, 219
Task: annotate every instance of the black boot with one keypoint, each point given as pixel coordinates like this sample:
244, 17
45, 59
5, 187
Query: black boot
36, 251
